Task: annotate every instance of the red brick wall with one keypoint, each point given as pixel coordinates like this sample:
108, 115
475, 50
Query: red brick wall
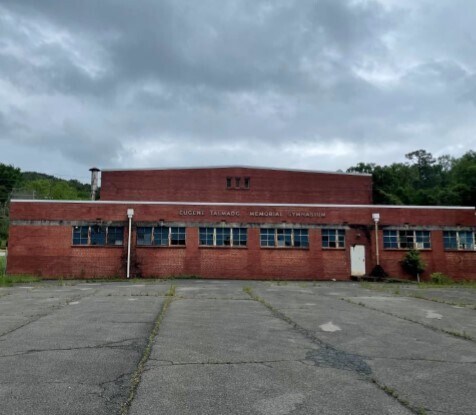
209, 185
44, 248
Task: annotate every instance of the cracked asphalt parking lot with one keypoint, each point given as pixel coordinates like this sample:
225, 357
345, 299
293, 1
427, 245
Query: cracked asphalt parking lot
235, 347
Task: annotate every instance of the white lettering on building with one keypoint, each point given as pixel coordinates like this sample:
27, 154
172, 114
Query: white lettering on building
191, 212
306, 214
224, 213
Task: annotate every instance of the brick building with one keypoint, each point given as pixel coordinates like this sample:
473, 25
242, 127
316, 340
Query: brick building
235, 222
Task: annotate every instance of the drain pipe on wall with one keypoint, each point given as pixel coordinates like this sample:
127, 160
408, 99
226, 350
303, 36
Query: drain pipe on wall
376, 218
130, 214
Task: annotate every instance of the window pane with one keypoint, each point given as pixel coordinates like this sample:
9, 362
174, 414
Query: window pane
450, 240
267, 237
390, 240
80, 235
177, 235
333, 238
341, 238
466, 240
98, 235
301, 238
144, 235
161, 236
223, 236
284, 237
115, 235
422, 239
406, 239
206, 236
239, 236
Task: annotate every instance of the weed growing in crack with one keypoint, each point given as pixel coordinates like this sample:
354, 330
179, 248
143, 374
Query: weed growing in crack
171, 291
136, 377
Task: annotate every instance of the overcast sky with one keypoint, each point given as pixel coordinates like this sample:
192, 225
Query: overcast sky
311, 84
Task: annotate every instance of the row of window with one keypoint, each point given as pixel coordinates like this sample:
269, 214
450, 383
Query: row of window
97, 235
237, 182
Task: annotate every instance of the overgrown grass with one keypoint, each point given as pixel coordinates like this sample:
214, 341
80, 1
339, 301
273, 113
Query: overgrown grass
2, 266
6, 281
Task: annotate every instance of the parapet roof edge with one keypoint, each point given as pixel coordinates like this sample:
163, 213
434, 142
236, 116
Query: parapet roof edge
137, 202
239, 167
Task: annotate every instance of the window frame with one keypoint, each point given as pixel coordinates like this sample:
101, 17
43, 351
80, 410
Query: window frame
157, 238
95, 235
334, 236
284, 238
459, 246
407, 239
224, 238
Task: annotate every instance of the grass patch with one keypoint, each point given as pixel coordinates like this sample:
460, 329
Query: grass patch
8, 281
18, 279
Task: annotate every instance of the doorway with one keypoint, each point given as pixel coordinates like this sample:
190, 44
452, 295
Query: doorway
357, 261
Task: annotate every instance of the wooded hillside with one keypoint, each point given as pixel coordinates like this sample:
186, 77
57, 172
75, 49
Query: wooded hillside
34, 185
424, 180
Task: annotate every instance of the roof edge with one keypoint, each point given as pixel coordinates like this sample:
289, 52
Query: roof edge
175, 203
238, 167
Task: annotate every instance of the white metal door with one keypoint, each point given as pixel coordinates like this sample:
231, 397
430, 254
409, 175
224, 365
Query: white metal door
357, 260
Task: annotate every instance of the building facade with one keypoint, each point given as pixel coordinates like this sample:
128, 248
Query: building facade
235, 222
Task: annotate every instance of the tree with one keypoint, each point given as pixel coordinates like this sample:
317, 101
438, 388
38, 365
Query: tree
413, 264
9, 177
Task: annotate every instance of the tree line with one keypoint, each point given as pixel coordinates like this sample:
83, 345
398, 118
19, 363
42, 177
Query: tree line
424, 180
34, 185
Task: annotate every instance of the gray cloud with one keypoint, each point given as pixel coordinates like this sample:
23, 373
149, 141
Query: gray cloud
292, 83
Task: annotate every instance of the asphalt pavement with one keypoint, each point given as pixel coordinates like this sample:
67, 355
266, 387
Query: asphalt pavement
236, 347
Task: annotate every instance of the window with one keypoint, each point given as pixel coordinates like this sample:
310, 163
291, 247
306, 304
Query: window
238, 183
284, 238
177, 235
406, 239
333, 238
240, 236
223, 237
267, 237
115, 235
301, 238
233, 237
160, 236
460, 240
80, 235
144, 235
98, 235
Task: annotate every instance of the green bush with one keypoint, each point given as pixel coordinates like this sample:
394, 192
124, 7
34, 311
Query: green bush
413, 264
440, 278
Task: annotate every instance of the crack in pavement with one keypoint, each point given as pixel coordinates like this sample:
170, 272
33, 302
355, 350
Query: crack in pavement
459, 335
170, 363
327, 355
111, 345
50, 310
417, 359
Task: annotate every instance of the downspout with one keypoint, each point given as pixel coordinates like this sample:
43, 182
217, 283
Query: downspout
130, 214
376, 218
